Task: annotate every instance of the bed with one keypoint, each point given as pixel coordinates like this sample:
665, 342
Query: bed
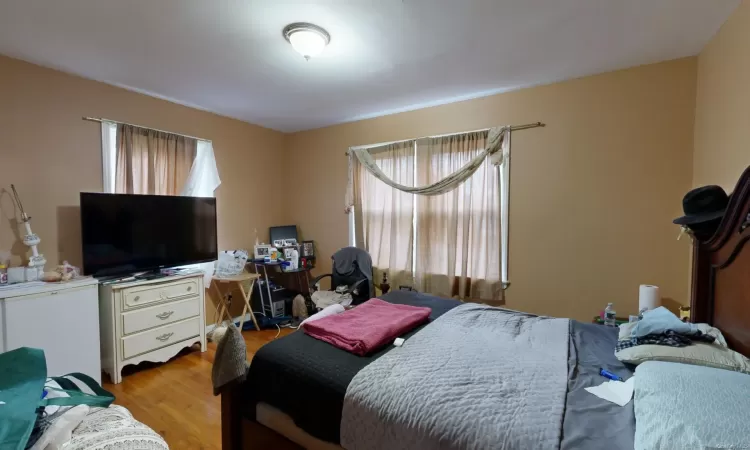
295, 394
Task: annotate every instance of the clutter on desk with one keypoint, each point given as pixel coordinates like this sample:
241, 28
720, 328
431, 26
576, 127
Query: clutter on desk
291, 259
262, 251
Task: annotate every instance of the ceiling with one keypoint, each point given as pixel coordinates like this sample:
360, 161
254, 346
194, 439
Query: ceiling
385, 56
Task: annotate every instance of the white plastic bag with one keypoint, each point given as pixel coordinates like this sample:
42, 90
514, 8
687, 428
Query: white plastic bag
231, 263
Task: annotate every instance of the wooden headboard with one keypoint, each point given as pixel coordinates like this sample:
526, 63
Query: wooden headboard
721, 273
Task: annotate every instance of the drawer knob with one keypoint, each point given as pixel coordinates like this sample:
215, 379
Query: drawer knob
136, 298
189, 288
164, 337
165, 315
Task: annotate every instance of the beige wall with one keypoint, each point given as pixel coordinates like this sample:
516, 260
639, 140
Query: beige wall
51, 155
592, 195
722, 118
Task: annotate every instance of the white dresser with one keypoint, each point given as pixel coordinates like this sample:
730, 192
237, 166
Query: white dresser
60, 318
150, 320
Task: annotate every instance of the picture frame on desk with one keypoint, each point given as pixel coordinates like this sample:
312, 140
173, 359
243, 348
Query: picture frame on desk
308, 249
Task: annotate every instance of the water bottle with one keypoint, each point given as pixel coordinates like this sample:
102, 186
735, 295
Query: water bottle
609, 315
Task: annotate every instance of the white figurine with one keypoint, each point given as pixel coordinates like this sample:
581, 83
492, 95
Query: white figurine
31, 239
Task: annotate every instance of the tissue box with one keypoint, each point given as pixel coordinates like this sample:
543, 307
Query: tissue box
16, 275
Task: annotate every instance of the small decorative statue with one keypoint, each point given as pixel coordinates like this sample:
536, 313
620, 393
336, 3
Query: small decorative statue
32, 240
384, 286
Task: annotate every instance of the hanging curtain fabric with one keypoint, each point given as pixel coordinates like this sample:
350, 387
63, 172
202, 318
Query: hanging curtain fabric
202, 181
384, 216
493, 149
458, 233
152, 162
204, 176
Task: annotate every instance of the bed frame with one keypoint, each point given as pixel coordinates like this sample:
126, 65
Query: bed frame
720, 297
721, 273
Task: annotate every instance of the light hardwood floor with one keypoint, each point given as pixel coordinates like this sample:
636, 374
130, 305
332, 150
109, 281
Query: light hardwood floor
176, 398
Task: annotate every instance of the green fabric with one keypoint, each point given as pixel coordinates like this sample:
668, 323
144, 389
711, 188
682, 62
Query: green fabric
100, 397
24, 372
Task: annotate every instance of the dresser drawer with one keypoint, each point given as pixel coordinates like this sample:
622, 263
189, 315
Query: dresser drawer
139, 296
161, 314
146, 341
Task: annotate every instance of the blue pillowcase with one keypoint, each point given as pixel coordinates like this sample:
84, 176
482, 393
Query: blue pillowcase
659, 321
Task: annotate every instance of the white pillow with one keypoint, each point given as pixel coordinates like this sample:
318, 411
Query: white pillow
699, 354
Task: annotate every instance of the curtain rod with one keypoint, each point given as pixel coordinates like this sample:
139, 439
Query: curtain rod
100, 119
525, 126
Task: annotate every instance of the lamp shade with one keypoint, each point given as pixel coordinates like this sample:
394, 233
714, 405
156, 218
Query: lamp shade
307, 39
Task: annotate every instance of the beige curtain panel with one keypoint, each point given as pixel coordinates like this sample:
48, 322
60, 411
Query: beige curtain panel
493, 151
458, 232
152, 162
384, 216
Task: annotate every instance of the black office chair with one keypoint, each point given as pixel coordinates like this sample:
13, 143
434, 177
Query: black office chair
350, 275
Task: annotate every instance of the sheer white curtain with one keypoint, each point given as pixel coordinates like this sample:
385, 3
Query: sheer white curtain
458, 232
109, 156
384, 216
202, 182
204, 176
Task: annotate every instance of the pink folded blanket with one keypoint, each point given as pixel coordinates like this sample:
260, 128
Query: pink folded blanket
367, 327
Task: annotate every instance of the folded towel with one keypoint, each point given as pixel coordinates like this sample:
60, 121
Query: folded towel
367, 327
661, 320
327, 311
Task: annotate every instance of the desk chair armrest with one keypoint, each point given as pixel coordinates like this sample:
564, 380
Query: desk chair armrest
357, 284
317, 279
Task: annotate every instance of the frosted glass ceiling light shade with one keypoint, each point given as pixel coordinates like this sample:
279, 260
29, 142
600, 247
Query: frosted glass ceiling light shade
307, 39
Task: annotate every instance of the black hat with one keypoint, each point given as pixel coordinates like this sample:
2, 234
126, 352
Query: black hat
703, 204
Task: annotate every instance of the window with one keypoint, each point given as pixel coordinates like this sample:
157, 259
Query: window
453, 244
156, 162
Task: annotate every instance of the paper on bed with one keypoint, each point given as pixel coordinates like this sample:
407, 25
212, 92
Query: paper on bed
618, 392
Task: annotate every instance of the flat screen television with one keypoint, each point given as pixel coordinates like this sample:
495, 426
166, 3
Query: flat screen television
124, 233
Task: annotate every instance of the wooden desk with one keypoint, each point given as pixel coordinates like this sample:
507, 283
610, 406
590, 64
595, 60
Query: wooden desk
237, 281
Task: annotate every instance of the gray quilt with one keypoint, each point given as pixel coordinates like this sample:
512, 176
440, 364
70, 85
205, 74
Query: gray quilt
478, 377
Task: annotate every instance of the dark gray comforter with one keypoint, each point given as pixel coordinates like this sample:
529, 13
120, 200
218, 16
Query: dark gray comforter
590, 422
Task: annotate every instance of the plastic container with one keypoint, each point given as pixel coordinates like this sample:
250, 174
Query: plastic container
610, 315
3, 274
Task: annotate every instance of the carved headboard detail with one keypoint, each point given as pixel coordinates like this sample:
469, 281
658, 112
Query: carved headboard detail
721, 273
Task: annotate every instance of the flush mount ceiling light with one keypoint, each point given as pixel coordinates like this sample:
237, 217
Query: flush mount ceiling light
307, 39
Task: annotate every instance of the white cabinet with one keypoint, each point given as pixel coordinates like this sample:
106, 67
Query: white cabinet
60, 318
150, 320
